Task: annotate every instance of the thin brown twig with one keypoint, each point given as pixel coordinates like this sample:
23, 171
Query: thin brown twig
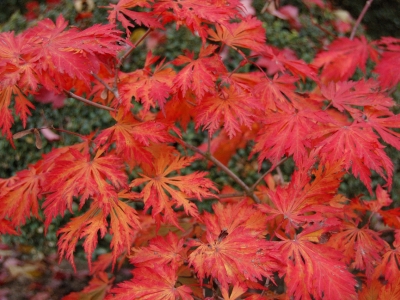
222, 196
112, 90
133, 47
224, 168
266, 173
67, 131
84, 100
326, 31
209, 143
360, 17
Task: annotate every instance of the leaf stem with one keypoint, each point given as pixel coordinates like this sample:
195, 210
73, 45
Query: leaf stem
360, 17
66, 131
84, 100
112, 90
266, 173
129, 51
222, 196
224, 168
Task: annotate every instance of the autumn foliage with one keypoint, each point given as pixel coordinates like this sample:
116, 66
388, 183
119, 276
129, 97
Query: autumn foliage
274, 239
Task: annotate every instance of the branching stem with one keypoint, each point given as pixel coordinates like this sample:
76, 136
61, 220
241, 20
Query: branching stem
253, 187
232, 175
112, 90
222, 196
84, 100
130, 50
360, 17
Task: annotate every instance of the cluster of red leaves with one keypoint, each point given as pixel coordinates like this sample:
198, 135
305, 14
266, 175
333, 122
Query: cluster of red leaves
302, 231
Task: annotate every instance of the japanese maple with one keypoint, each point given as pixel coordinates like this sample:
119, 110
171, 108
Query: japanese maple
135, 182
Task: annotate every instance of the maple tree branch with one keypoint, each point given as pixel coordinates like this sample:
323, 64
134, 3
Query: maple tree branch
129, 51
209, 143
84, 100
266, 173
67, 131
360, 17
224, 168
112, 90
326, 31
222, 196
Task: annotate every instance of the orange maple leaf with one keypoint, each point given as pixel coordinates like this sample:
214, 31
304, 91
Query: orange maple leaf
234, 250
147, 86
363, 248
97, 288
20, 198
163, 190
152, 284
199, 75
314, 271
165, 251
76, 174
123, 225
132, 137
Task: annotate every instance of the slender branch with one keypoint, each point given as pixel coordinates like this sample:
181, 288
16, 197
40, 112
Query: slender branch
360, 17
326, 31
232, 175
72, 95
112, 90
209, 143
129, 51
253, 187
67, 131
222, 196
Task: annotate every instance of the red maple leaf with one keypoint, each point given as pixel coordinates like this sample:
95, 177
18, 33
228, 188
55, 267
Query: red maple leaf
359, 149
59, 52
120, 12
301, 203
285, 132
314, 271
350, 95
248, 33
277, 92
152, 284
167, 251
234, 250
285, 61
232, 107
22, 106
386, 67
196, 15
199, 75
342, 58
381, 121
